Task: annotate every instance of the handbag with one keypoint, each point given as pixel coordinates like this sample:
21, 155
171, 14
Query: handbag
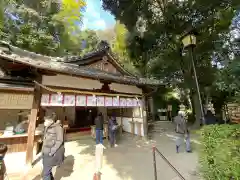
114, 127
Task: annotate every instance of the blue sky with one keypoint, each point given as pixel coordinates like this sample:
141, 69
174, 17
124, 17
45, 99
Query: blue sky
95, 17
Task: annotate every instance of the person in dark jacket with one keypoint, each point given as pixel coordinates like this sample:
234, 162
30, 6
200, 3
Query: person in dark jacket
210, 118
99, 128
112, 128
53, 146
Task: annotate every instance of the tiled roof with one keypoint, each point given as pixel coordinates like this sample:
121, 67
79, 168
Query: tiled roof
56, 64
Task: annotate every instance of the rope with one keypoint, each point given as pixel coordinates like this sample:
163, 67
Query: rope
82, 92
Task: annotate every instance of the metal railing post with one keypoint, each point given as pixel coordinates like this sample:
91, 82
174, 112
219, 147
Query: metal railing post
173, 168
154, 162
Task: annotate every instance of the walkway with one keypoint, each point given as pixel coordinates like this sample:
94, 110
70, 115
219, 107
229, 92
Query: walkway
131, 160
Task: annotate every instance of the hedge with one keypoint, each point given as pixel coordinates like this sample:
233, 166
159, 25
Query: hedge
220, 152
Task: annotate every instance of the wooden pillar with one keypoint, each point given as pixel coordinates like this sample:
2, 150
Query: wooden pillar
121, 116
32, 122
144, 116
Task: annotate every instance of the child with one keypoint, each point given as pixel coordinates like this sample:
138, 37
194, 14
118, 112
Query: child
188, 142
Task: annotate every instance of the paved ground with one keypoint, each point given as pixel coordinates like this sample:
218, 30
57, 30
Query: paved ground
131, 160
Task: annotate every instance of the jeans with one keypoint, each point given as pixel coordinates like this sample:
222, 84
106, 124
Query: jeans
47, 173
112, 136
99, 136
179, 141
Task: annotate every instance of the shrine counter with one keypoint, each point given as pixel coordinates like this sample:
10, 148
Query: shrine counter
18, 142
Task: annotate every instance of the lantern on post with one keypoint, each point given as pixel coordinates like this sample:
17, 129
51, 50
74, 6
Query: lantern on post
189, 41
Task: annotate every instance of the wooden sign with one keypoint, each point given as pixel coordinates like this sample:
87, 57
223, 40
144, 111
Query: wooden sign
56, 100
169, 107
69, 100
100, 101
91, 101
45, 100
81, 100
108, 101
15, 101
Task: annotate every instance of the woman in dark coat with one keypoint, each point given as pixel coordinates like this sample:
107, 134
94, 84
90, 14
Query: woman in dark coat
112, 128
53, 147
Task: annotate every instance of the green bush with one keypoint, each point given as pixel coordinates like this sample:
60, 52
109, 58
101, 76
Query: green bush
220, 152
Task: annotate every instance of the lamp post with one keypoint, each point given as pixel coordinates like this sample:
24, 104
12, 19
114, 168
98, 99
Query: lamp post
189, 41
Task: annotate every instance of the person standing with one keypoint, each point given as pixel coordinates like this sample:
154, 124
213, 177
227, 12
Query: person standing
180, 129
112, 128
188, 142
53, 146
210, 118
99, 128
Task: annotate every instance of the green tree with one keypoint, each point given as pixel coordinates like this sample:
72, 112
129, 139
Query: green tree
120, 47
37, 26
91, 41
159, 48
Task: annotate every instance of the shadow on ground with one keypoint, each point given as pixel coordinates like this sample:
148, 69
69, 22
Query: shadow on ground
133, 158
63, 171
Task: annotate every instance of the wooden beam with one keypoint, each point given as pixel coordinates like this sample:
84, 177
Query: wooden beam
32, 121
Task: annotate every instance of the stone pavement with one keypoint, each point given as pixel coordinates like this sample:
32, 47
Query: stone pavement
131, 160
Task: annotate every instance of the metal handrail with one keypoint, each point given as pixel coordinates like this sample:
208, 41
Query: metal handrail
165, 159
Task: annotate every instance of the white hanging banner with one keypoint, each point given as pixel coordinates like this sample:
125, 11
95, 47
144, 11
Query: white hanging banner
100, 101
135, 103
56, 100
115, 101
139, 103
45, 100
91, 101
81, 100
129, 102
123, 102
108, 101
69, 100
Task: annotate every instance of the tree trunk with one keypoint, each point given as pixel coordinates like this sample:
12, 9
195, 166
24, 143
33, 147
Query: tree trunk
197, 109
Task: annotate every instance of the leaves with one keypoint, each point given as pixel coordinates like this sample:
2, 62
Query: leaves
220, 155
120, 47
70, 13
42, 26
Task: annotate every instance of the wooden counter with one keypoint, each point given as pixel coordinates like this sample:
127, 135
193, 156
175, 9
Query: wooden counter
18, 142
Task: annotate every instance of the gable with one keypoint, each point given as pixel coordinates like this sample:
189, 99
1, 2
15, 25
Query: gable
101, 60
106, 65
